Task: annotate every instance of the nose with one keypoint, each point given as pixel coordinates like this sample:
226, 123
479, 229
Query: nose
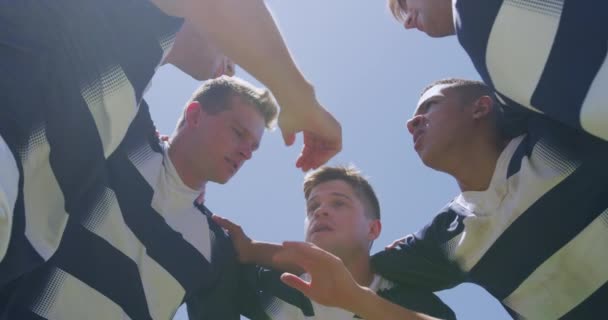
246, 151
321, 211
414, 123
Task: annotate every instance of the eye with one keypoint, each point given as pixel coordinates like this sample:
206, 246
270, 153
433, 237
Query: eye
427, 106
338, 203
238, 132
311, 208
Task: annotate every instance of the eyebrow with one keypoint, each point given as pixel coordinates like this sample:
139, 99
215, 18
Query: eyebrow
337, 194
427, 101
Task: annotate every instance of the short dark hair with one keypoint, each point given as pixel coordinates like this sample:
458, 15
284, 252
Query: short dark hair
352, 176
469, 90
508, 124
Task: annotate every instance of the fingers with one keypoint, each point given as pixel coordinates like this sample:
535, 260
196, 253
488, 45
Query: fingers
296, 283
230, 69
305, 161
322, 135
288, 137
295, 253
395, 243
232, 228
162, 137
226, 67
315, 153
306, 256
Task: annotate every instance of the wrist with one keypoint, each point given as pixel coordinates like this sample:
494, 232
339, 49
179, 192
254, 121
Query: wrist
358, 300
249, 251
291, 94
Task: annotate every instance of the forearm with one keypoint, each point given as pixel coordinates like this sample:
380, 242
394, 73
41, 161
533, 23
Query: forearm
262, 253
246, 32
368, 305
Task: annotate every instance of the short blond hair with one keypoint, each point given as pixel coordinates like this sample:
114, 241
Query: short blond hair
215, 96
396, 10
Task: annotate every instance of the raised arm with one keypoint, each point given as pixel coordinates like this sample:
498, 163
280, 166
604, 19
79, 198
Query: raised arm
245, 31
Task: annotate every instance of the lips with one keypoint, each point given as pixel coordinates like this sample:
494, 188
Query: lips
321, 227
417, 138
231, 163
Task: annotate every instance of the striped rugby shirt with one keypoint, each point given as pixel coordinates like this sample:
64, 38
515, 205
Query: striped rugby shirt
140, 251
102, 228
535, 239
547, 56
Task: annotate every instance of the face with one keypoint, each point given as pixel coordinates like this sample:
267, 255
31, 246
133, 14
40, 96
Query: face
336, 219
222, 142
440, 126
434, 17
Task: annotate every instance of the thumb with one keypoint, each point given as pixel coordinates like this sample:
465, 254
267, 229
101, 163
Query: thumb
289, 137
295, 282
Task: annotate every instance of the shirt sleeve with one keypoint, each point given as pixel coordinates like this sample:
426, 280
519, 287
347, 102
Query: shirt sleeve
266, 297
422, 261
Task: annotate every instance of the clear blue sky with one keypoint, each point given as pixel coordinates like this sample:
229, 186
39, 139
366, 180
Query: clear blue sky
368, 71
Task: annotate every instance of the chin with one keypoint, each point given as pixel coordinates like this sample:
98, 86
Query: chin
438, 33
427, 159
221, 180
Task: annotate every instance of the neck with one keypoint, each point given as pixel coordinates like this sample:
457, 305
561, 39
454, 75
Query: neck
474, 171
360, 268
182, 164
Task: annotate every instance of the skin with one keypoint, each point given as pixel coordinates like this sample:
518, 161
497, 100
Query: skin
195, 54
213, 147
433, 17
333, 285
257, 46
337, 222
446, 131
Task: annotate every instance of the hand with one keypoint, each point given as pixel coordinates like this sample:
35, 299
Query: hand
225, 67
243, 245
396, 243
322, 133
162, 137
331, 283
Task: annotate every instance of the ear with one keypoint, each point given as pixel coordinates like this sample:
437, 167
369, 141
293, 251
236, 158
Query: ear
375, 226
482, 107
193, 114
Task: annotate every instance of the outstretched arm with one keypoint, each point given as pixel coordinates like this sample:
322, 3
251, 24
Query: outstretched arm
333, 285
254, 252
245, 31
